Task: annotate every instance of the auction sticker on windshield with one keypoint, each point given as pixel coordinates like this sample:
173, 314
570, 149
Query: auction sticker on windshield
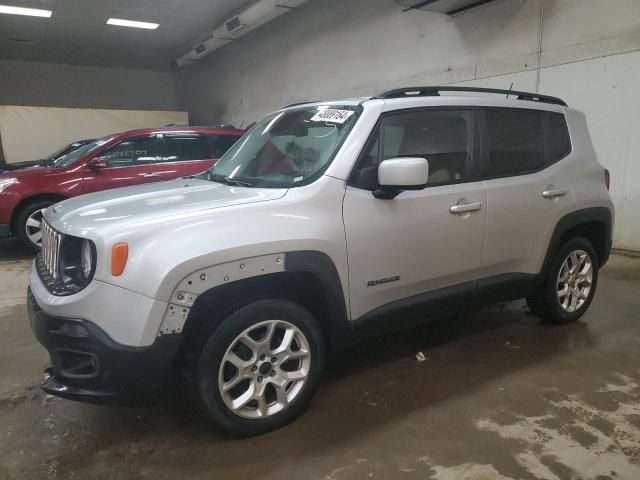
332, 115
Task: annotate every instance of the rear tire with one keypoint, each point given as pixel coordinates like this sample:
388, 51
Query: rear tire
28, 224
260, 367
570, 284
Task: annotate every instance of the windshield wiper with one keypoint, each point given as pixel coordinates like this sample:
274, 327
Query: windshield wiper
228, 181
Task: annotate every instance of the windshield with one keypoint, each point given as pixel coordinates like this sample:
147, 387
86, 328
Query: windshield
286, 149
66, 149
75, 155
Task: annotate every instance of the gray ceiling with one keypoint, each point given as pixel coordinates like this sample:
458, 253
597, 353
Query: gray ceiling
77, 33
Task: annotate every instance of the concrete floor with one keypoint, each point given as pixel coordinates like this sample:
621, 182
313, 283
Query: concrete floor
498, 396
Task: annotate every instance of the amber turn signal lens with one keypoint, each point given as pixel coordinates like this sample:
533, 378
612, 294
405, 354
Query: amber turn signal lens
119, 255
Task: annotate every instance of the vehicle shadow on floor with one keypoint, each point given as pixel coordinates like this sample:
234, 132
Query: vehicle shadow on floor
366, 386
11, 249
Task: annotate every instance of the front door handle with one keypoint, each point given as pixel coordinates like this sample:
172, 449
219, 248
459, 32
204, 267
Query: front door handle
149, 175
465, 207
552, 192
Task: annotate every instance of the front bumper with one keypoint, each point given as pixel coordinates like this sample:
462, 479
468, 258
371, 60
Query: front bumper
87, 365
125, 316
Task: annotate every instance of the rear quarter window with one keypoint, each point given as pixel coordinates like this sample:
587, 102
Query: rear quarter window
558, 141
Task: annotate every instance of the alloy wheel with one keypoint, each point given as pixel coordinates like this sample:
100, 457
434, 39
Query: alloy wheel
264, 369
33, 227
574, 281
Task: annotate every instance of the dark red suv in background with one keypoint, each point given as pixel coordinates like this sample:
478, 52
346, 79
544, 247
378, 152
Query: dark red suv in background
119, 160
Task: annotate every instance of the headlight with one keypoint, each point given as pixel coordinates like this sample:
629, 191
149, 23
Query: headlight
86, 258
77, 261
5, 182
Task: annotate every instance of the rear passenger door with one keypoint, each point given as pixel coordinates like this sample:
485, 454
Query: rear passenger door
528, 186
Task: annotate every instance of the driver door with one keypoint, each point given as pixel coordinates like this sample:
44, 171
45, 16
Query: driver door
406, 247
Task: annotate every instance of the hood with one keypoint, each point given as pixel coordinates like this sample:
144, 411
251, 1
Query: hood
20, 165
28, 171
149, 203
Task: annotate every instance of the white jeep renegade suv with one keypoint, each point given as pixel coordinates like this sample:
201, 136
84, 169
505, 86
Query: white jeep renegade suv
324, 222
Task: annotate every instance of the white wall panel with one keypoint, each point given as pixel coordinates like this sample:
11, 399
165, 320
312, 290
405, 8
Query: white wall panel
584, 50
29, 133
606, 90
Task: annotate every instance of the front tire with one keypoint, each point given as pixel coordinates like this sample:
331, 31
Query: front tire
568, 289
260, 367
29, 224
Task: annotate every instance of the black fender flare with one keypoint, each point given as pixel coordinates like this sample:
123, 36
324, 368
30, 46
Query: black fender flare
600, 215
321, 265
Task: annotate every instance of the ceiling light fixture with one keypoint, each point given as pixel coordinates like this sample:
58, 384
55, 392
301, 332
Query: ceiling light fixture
132, 23
31, 12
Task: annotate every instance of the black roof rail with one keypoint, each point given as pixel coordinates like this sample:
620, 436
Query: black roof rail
434, 91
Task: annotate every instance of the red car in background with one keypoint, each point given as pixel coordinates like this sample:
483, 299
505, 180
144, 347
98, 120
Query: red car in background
119, 160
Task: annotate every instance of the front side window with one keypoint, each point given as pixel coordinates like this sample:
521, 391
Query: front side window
443, 137
286, 149
133, 151
185, 147
75, 155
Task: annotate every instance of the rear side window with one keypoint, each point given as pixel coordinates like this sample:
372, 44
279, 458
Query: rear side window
187, 147
222, 143
515, 142
523, 141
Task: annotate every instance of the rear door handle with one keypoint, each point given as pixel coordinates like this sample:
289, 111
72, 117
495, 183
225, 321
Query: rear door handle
465, 207
149, 175
552, 192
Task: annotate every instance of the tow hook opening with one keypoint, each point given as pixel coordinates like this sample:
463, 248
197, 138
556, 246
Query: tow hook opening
75, 364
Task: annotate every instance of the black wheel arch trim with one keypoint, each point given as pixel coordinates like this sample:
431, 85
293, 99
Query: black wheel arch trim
320, 264
601, 215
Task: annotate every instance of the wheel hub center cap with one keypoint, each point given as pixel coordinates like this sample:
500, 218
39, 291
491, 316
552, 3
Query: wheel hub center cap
265, 368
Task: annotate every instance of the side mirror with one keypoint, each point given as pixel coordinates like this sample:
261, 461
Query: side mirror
398, 174
97, 163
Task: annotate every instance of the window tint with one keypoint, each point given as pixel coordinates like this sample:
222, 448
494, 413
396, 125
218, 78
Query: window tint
222, 143
442, 137
186, 147
558, 143
132, 151
523, 141
515, 142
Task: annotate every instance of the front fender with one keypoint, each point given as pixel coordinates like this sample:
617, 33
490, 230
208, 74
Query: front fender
316, 263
